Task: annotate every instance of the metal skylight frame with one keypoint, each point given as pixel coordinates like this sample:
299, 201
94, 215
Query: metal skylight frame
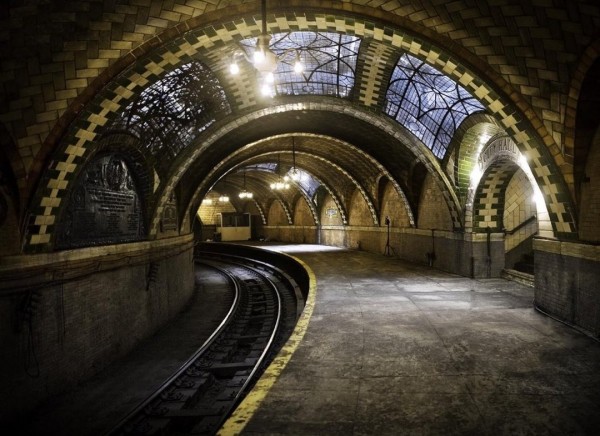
428, 103
329, 61
170, 113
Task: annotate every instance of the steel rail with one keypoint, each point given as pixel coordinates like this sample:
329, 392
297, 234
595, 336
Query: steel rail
185, 366
146, 412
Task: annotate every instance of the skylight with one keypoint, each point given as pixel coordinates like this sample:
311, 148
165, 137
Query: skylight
428, 103
329, 61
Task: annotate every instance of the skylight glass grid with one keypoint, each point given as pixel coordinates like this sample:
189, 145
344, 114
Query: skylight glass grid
170, 113
428, 103
304, 181
329, 61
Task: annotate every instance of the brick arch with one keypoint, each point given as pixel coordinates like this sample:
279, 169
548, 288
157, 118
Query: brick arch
371, 200
303, 200
124, 146
488, 205
219, 169
586, 60
261, 211
466, 145
510, 108
412, 18
358, 210
584, 123
284, 207
590, 194
392, 205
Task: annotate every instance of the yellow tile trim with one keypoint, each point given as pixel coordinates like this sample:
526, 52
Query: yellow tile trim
248, 407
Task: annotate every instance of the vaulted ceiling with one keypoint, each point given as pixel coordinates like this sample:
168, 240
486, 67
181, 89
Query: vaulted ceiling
95, 69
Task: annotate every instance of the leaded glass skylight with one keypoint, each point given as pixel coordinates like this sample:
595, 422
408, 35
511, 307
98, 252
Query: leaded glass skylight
329, 61
263, 167
169, 114
305, 181
428, 103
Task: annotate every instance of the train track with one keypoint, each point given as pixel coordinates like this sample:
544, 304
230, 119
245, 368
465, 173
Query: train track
200, 396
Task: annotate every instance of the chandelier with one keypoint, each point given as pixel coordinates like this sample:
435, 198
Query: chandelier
264, 59
224, 198
295, 175
282, 183
245, 195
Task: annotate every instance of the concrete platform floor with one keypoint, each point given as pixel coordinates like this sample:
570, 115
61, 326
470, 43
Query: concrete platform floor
392, 349
399, 349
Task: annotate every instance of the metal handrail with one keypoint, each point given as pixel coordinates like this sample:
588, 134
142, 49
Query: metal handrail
521, 225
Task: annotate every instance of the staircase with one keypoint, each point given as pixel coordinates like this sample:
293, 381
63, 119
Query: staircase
522, 272
525, 264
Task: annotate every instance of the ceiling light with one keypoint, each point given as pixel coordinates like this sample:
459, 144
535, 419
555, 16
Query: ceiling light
245, 195
281, 184
264, 60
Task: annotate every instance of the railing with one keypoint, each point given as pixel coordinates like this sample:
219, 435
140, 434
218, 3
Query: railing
521, 225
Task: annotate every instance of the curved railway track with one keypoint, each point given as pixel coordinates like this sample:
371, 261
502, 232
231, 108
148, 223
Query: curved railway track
206, 389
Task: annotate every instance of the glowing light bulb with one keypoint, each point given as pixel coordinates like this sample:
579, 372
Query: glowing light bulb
266, 90
234, 68
298, 66
259, 57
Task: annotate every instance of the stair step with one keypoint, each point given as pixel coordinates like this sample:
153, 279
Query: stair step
519, 277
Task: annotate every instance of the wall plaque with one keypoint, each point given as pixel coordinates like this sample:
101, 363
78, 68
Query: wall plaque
104, 207
168, 220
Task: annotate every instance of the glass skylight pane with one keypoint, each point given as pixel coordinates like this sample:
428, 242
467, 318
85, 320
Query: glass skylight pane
169, 114
428, 103
329, 61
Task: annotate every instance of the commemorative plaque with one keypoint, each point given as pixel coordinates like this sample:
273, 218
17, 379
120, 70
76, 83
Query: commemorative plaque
104, 207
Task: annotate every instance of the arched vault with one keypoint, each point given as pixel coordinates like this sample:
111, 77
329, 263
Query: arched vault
356, 117
339, 166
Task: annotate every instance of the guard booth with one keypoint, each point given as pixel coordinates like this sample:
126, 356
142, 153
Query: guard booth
234, 227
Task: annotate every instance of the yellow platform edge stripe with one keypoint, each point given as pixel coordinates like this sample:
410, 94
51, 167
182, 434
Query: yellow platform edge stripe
244, 412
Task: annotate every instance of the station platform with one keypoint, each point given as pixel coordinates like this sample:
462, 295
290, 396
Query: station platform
390, 348
394, 348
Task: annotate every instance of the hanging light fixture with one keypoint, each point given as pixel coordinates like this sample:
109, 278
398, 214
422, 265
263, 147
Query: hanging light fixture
224, 198
294, 172
245, 195
280, 184
264, 59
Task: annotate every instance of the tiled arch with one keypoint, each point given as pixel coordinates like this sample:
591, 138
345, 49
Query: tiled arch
488, 205
311, 206
465, 146
117, 94
591, 54
284, 206
372, 202
214, 173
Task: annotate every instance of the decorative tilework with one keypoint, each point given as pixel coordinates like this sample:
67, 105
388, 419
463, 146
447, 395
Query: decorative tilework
374, 70
286, 209
488, 207
201, 41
